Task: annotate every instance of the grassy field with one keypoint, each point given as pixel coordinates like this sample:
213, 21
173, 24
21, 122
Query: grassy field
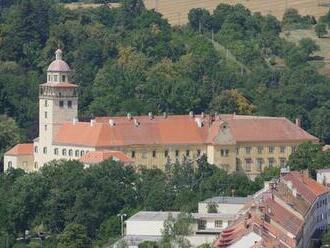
324, 43
176, 11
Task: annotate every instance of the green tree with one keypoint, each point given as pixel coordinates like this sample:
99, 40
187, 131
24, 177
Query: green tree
309, 45
9, 135
321, 30
74, 236
200, 19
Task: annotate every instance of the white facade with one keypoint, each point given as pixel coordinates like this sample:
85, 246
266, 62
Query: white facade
225, 205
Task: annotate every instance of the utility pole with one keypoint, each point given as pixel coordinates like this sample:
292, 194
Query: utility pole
121, 216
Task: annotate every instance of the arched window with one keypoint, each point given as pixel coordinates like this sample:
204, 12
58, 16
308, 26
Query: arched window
70, 152
77, 153
45, 150
56, 151
64, 152
10, 164
63, 78
82, 153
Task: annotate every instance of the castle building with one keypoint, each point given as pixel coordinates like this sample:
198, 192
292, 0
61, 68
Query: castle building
233, 142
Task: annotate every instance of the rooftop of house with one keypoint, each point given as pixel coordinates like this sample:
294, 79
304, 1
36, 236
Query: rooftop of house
21, 150
306, 187
152, 216
96, 157
227, 200
180, 129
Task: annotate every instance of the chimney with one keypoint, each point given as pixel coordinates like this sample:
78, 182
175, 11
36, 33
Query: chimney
93, 123
199, 122
191, 114
75, 120
298, 122
136, 123
129, 116
151, 116
112, 123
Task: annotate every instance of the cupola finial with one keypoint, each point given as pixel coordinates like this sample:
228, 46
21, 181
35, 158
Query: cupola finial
58, 54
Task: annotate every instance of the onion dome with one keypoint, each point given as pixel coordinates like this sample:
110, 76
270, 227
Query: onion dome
59, 65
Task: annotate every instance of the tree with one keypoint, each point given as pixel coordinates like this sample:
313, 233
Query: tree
9, 135
149, 244
325, 239
200, 19
321, 29
309, 45
231, 101
74, 236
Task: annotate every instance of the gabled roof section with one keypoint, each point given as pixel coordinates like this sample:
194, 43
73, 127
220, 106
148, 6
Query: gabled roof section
96, 157
180, 129
21, 150
308, 188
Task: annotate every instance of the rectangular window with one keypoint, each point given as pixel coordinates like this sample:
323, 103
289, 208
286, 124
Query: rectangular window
45, 150
177, 153
248, 150
282, 162
260, 149
248, 164
271, 162
55, 151
153, 154
224, 152
271, 149
218, 223
61, 104
55, 78
45, 127
282, 149
201, 224
133, 154
45, 115
166, 153
237, 150
293, 149
260, 163
198, 153
36, 149
187, 153
69, 104
63, 78
46, 103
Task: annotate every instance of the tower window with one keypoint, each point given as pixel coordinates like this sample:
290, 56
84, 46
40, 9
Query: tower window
69, 104
49, 78
45, 115
46, 103
187, 153
177, 153
63, 78
45, 127
55, 78
61, 104
45, 150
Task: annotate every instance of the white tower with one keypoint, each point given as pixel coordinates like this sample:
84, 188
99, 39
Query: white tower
58, 103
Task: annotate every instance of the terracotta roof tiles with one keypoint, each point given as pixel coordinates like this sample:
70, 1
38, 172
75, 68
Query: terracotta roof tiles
20, 150
180, 129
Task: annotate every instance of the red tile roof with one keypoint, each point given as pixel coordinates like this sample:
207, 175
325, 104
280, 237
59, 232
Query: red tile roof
180, 129
21, 149
308, 188
96, 157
